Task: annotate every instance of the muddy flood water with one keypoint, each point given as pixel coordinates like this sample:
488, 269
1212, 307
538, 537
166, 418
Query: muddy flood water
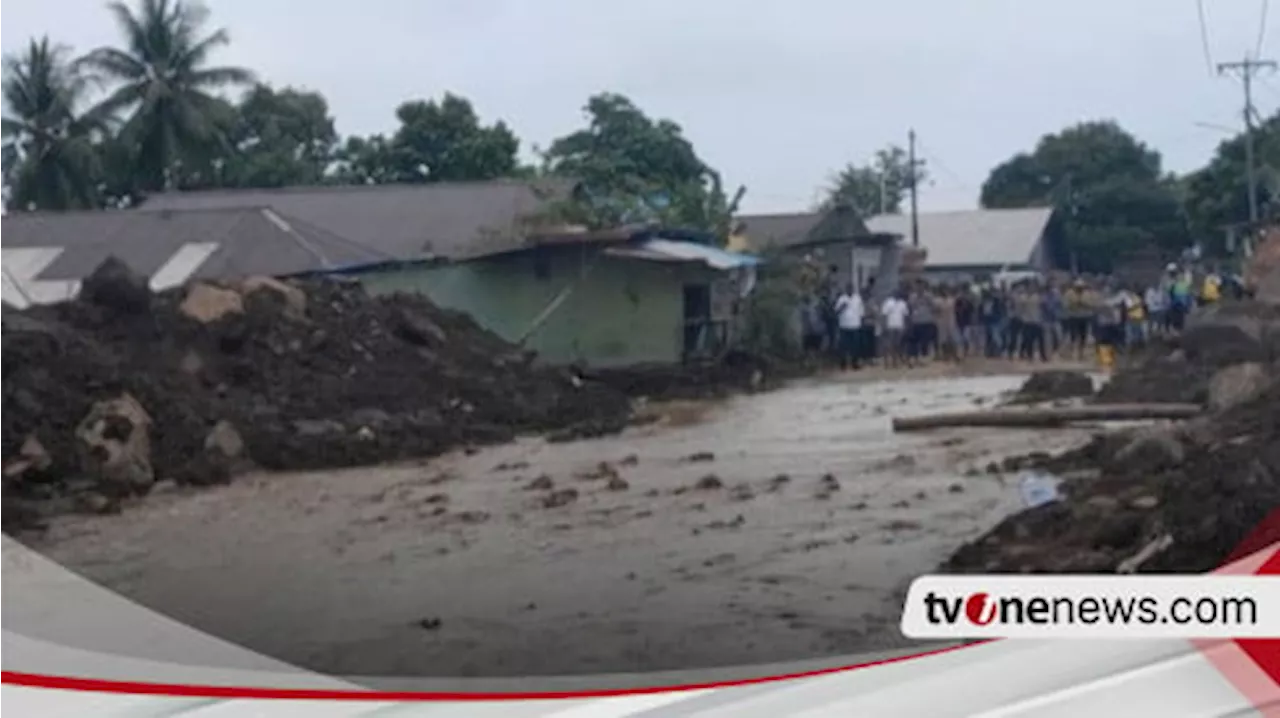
765, 528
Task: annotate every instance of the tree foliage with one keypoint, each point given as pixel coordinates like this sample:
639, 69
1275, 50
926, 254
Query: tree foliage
49, 158
633, 168
162, 84
877, 187
1218, 195
1107, 186
279, 138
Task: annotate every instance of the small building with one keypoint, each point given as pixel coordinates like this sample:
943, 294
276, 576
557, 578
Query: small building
603, 299
625, 296
966, 244
47, 254
836, 238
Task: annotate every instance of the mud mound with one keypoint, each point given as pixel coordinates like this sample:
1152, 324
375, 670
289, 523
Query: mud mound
311, 375
1204, 486
1054, 384
1178, 370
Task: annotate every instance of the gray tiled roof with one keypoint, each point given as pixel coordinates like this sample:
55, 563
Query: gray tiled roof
972, 237
249, 241
454, 220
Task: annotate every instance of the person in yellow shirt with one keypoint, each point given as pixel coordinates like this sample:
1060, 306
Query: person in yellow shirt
1211, 288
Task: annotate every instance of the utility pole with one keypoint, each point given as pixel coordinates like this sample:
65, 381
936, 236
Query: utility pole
1248, 69
913, 168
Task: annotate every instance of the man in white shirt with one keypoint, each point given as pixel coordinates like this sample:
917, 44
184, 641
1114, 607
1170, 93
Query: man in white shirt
849, 311
895, 312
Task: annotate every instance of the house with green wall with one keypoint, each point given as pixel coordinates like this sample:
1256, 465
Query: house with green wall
642, 300
627, 295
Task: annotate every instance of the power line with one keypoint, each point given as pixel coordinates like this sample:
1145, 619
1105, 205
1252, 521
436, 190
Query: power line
1262, 28
1204, 38
932, 157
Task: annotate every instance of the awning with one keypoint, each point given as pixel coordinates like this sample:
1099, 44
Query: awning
667, 250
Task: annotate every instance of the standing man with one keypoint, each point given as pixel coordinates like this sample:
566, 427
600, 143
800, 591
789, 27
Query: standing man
867, 334
966, 322
812, 327
990, 314
948, 325
849, 311
1157, 303
1079, 315
895, 312
924, 324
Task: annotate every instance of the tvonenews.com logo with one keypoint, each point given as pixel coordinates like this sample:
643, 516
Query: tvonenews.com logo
984, 609
1092, 606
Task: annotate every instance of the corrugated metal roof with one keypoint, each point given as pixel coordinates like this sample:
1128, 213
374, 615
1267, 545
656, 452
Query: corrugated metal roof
454, 220
972, 237
211, 244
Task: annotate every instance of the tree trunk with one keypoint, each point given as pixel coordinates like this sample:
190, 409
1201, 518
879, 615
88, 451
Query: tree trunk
1033, 418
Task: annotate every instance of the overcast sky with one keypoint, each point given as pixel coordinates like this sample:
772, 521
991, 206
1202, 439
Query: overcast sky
775, 94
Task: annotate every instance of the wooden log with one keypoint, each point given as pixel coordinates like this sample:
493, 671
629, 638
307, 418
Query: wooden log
1036, 418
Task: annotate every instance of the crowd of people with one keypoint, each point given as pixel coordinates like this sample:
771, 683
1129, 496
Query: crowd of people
1031, 319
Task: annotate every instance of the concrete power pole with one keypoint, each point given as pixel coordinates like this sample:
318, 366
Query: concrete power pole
1247, 69
913, 168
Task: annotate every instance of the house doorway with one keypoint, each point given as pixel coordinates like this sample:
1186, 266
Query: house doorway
697, 318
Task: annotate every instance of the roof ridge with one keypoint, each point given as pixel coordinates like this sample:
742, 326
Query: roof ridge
324, 234
358, 188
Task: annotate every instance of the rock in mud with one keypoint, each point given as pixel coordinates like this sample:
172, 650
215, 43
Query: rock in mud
115, 446
1236, 384
207, 303
710, 482
699, 457
542, 483
560, 497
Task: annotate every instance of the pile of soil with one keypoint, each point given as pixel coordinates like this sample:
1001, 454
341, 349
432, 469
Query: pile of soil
1194, 491
345, 380
1179, 369
1054, 384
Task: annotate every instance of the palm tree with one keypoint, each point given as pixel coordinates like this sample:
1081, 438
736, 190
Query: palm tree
163, 85
49, 156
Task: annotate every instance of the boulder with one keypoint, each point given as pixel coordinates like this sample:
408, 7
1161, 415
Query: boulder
292, 298
206, 303
32, 458
224, 441
114, 442
1151, 449
1237, 384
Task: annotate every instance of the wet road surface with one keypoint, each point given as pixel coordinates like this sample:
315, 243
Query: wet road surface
764, 528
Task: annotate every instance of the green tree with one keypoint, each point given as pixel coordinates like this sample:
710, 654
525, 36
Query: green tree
162, 82
633, 168
444, 141
1107, 186
279, 138
364, 160
877, 187
49, 156
1217, 196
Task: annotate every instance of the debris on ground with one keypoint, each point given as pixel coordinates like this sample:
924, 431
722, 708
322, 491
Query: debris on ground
201, 381
1161, 498
1054, 384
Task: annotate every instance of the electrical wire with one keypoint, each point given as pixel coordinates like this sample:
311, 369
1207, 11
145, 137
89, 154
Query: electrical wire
1262, 29
1204, 37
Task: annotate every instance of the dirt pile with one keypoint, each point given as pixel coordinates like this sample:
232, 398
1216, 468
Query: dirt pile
1180, 369
1054, 384
1159, 499
285, 376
